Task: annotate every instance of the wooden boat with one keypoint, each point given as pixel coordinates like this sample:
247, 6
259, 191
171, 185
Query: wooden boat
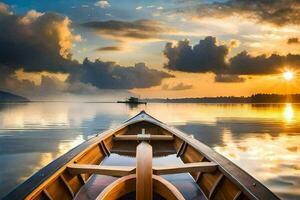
144, 159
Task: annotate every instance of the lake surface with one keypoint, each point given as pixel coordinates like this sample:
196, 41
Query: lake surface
263, 139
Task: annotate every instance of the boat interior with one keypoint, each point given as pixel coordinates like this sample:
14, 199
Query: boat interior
143, 159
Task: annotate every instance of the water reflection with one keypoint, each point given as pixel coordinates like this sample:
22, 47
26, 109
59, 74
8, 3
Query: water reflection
288, 112
273, 160
263, 139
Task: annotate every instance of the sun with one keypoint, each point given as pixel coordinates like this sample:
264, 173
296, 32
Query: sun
288, 75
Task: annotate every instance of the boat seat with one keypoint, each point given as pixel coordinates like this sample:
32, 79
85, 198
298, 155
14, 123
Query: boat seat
160, 147
143, 137
119, 171
143, 178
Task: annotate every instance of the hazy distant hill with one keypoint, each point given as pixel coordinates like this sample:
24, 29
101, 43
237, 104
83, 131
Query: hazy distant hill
8, 97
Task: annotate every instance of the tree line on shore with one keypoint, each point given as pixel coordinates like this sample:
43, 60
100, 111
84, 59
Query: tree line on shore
256, 98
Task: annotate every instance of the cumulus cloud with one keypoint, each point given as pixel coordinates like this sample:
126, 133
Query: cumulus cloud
35, 41
124, 30
42, 42
102, 4
48, 86
293, 40
279, 12
206, 56
246, 64
179, 86
108, 75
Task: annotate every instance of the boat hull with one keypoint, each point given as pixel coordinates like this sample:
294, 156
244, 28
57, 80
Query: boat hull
213, 174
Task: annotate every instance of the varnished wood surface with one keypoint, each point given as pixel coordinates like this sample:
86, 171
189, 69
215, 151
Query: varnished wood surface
118, 188
127, 184
166, 189
141, 137
188, 167
144, 171
234, 182
100, 169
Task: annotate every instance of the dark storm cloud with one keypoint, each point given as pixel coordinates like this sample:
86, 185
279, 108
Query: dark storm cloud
207, 56
179, 86
293, 40
228, 78
110, 48
246, 64
38, 42
277, 12
108, 75
122, 30
35, 41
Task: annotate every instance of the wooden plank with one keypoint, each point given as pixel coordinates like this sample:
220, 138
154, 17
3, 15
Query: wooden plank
188, 167
67, 186
99, 169
166, 189
104, 149
118, 188
238, 196
47, 195
76, 169
182, 149
143, 137
199, 176
81, 178
144, 171
215, 186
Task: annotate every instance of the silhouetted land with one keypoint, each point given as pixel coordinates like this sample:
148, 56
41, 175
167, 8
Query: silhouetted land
256, 98
9, 97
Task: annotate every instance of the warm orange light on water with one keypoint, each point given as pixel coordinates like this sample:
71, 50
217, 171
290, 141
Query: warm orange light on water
288, 112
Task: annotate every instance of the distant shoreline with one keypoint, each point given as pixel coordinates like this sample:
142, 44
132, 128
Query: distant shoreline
257, 98
114, 102
254, 99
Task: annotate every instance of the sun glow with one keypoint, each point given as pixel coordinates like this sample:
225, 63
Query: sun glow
288, 75
288, 112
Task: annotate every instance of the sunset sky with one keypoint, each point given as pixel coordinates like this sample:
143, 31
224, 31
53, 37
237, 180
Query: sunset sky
177, 48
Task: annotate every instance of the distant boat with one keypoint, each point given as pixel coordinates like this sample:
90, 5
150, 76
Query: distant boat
117, 164
133, 100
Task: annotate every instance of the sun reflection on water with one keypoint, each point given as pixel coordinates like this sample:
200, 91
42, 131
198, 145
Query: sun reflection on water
288, 112
272, 160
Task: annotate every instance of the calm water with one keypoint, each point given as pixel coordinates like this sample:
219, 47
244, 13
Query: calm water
264, 140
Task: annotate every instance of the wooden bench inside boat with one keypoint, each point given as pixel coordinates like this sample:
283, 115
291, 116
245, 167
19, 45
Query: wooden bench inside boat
142, 178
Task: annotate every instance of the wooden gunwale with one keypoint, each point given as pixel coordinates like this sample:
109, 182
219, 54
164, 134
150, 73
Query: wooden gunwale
28, 188
36, 183
245, 182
